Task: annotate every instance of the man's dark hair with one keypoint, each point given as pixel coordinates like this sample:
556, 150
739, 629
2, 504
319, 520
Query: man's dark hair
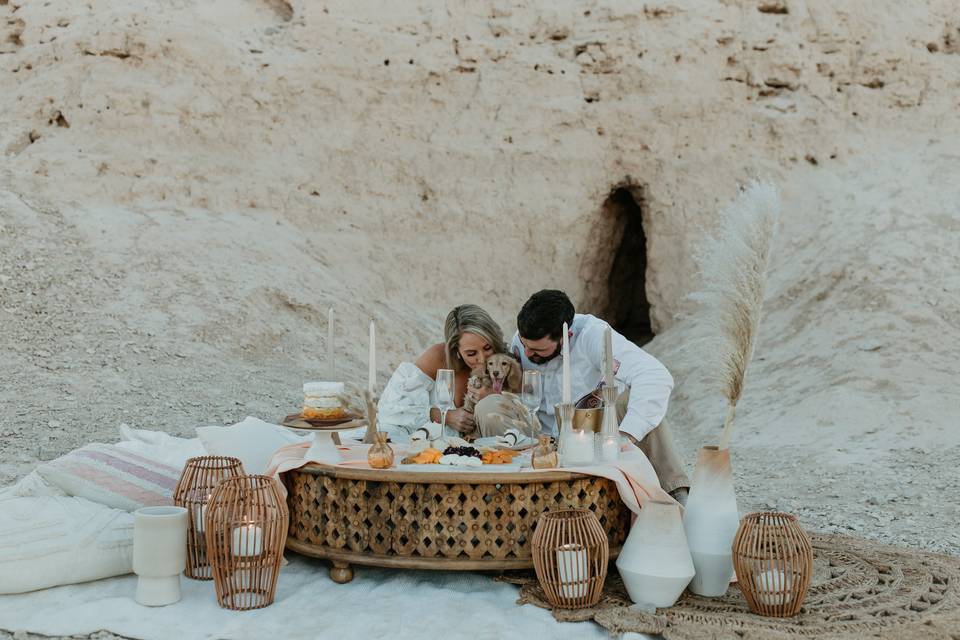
544, 314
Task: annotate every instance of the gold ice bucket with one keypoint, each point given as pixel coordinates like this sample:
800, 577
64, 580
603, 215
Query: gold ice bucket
583, 419
588, 411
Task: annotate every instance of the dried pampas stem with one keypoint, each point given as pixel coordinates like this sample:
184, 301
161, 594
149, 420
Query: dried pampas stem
733, 266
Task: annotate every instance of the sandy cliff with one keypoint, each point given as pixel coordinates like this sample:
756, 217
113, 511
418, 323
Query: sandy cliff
186, 187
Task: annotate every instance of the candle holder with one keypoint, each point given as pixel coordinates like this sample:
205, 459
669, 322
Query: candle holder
570, 555
576, 446
608, 440
246, 526
773, 559
200, 476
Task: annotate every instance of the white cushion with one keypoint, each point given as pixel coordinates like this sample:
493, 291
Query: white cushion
113, 476
50, 540
252, 440
160, 446
31, 485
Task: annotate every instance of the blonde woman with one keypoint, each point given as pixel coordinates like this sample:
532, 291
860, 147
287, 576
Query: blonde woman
470, 337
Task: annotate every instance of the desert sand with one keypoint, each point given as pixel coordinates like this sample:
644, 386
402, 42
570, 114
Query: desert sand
186, 188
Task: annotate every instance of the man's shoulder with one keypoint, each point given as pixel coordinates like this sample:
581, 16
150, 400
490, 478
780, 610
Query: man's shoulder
587, 324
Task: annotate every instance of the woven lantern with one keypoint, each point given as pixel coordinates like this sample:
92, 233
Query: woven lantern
200, 476
570, 555
773, 559
246, 528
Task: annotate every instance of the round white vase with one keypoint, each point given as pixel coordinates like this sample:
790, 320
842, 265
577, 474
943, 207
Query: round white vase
655, 561
159, 553
711, 520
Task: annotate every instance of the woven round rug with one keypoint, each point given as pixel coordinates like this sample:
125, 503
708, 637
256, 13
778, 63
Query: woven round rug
860, 589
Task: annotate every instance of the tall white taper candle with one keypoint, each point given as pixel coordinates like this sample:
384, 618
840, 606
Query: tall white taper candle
608, 357
372, 374
566, 365
331, 370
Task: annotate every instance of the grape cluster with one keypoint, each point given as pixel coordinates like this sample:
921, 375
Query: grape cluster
462, 451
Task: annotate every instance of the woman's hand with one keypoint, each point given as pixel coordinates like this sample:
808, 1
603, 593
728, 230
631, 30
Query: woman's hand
461, 420
479, 394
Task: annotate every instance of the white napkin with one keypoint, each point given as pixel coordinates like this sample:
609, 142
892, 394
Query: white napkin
510, 437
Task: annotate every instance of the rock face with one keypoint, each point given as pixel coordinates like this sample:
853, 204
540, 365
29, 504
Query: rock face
186, 187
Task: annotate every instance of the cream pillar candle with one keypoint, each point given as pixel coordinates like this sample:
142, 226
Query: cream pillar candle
772, 585
578, 451
200, 513
572, 565
372, 373
609, 448
566, 365
246, 540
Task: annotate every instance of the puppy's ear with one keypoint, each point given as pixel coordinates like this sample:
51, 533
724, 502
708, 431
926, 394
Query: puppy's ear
515, 377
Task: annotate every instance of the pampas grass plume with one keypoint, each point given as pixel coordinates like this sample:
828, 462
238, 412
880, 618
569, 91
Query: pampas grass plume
733, 266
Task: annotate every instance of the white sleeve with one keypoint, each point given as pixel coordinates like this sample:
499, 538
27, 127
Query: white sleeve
405, 402
650, 382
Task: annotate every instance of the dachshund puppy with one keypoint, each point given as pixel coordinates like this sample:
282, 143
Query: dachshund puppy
504, 372
501, 372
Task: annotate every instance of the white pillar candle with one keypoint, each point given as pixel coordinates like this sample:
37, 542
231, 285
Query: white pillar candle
572, 565
578, 451
331, 370
610, 449
770, 584
608, 357
566, 365
372, 374
247, 540
200, 513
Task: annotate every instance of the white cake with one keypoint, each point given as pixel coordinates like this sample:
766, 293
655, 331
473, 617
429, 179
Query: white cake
321, 400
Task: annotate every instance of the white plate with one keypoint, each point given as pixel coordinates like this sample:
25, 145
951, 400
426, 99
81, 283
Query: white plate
525, 443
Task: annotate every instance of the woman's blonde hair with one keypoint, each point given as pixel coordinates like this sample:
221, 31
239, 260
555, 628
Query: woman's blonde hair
469, 318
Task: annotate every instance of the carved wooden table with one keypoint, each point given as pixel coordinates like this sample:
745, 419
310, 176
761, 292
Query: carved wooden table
449, 520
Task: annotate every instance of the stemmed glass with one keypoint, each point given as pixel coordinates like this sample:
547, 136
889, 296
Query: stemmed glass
531, 394
443, 395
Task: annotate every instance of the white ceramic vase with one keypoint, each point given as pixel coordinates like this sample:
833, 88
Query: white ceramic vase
711, 521
159, 553
655, 562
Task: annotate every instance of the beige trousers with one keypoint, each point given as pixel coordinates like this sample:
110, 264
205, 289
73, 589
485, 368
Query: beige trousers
657, 445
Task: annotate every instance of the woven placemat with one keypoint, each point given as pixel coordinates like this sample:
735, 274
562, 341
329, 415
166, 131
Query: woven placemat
860, 589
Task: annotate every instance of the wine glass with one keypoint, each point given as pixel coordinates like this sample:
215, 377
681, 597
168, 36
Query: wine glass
531, 394
443, 395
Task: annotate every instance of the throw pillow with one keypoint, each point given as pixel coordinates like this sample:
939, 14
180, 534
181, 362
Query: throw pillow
252, 440
112, 476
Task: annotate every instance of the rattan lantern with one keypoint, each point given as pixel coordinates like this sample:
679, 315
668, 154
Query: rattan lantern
200, 476
773, 559
570, 555
246, 528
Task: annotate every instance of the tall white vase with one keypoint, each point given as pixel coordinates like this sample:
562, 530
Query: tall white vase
159, 553
711, 521
655, 562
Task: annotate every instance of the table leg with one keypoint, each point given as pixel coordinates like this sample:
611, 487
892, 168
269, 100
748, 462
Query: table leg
341, 572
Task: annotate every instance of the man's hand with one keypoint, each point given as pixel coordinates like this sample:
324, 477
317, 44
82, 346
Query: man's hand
461, 420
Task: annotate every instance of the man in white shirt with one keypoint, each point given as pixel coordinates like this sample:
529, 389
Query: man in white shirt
538, 342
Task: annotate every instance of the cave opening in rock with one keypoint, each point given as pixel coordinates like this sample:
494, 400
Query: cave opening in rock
624, 299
